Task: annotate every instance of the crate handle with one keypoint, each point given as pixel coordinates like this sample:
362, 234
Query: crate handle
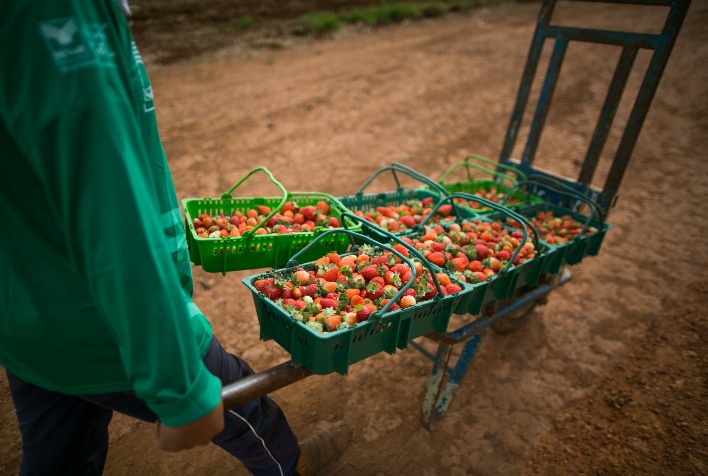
565, 187
495, 174
422, 178
495, 206
227, 195
392, 237
378, 314
563, 190
519, 174
406, 170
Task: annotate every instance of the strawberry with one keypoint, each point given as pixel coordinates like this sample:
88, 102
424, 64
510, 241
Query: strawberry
363, 313
334, 257
328, 303
453, 288
309, 212
331, 274
310, 290
351, 292
393, 307
408, 221
410, 292
401, 249
482, 251
271, 290
436, 257
374, 290
369, 272
331, 323
391, 277
379, 259
301, 276
357, 300
407, 301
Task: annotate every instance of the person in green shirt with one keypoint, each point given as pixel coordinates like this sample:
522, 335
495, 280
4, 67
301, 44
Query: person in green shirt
96, 310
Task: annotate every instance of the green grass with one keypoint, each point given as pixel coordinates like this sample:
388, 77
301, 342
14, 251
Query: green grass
323, 22
319, 23
245, 21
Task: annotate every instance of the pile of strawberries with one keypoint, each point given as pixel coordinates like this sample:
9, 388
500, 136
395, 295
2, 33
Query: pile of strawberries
339, 291
290, 219
555, 230
472, 250
491, 193
403, 217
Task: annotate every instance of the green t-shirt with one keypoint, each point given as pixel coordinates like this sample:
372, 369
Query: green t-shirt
95, 279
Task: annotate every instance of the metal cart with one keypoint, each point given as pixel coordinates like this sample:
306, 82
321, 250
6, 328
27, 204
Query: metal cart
446, 377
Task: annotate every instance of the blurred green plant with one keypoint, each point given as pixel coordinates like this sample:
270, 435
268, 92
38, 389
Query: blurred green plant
245, 21
319, 23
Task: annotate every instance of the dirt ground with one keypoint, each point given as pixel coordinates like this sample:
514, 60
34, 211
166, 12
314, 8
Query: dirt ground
609, 377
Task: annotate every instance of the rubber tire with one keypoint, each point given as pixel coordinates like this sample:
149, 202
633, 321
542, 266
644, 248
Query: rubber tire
511, 322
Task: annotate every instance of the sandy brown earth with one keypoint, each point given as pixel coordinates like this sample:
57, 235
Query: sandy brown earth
609, 377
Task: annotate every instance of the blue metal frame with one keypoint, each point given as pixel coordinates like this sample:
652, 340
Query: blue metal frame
662, 45
445, 379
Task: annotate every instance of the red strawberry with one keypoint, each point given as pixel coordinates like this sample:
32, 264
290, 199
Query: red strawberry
271, 290
332, 274
374, 290
436, 257
379, 259
363, 313
310, 290
369, 272
445, 210
393, 307
400, 268
401, 249
436, 246
410, 292
308, 212
482, 251
408, 221
453, 288
326, 302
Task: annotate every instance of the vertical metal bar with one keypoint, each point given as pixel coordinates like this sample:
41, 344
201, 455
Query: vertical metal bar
607, 115
544, 101
437, 378
527, 77
673, 24
455, 379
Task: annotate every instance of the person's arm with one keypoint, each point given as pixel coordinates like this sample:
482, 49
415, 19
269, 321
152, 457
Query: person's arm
76, 124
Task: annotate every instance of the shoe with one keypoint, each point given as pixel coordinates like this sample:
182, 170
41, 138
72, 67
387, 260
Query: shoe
323, 448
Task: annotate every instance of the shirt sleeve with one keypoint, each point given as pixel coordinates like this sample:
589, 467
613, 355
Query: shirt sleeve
80, 127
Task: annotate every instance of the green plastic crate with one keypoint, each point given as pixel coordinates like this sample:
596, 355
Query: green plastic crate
252, 251
361, 202
504, 284
574, 251
472, 185
324, 353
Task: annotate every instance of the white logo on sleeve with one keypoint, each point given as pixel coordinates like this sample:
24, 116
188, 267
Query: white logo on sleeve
148, 99
73, 45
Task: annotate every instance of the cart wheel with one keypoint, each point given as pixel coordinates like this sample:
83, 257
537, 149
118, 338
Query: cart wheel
515, 319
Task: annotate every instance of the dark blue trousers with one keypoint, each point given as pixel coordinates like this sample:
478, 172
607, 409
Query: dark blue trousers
68, 435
